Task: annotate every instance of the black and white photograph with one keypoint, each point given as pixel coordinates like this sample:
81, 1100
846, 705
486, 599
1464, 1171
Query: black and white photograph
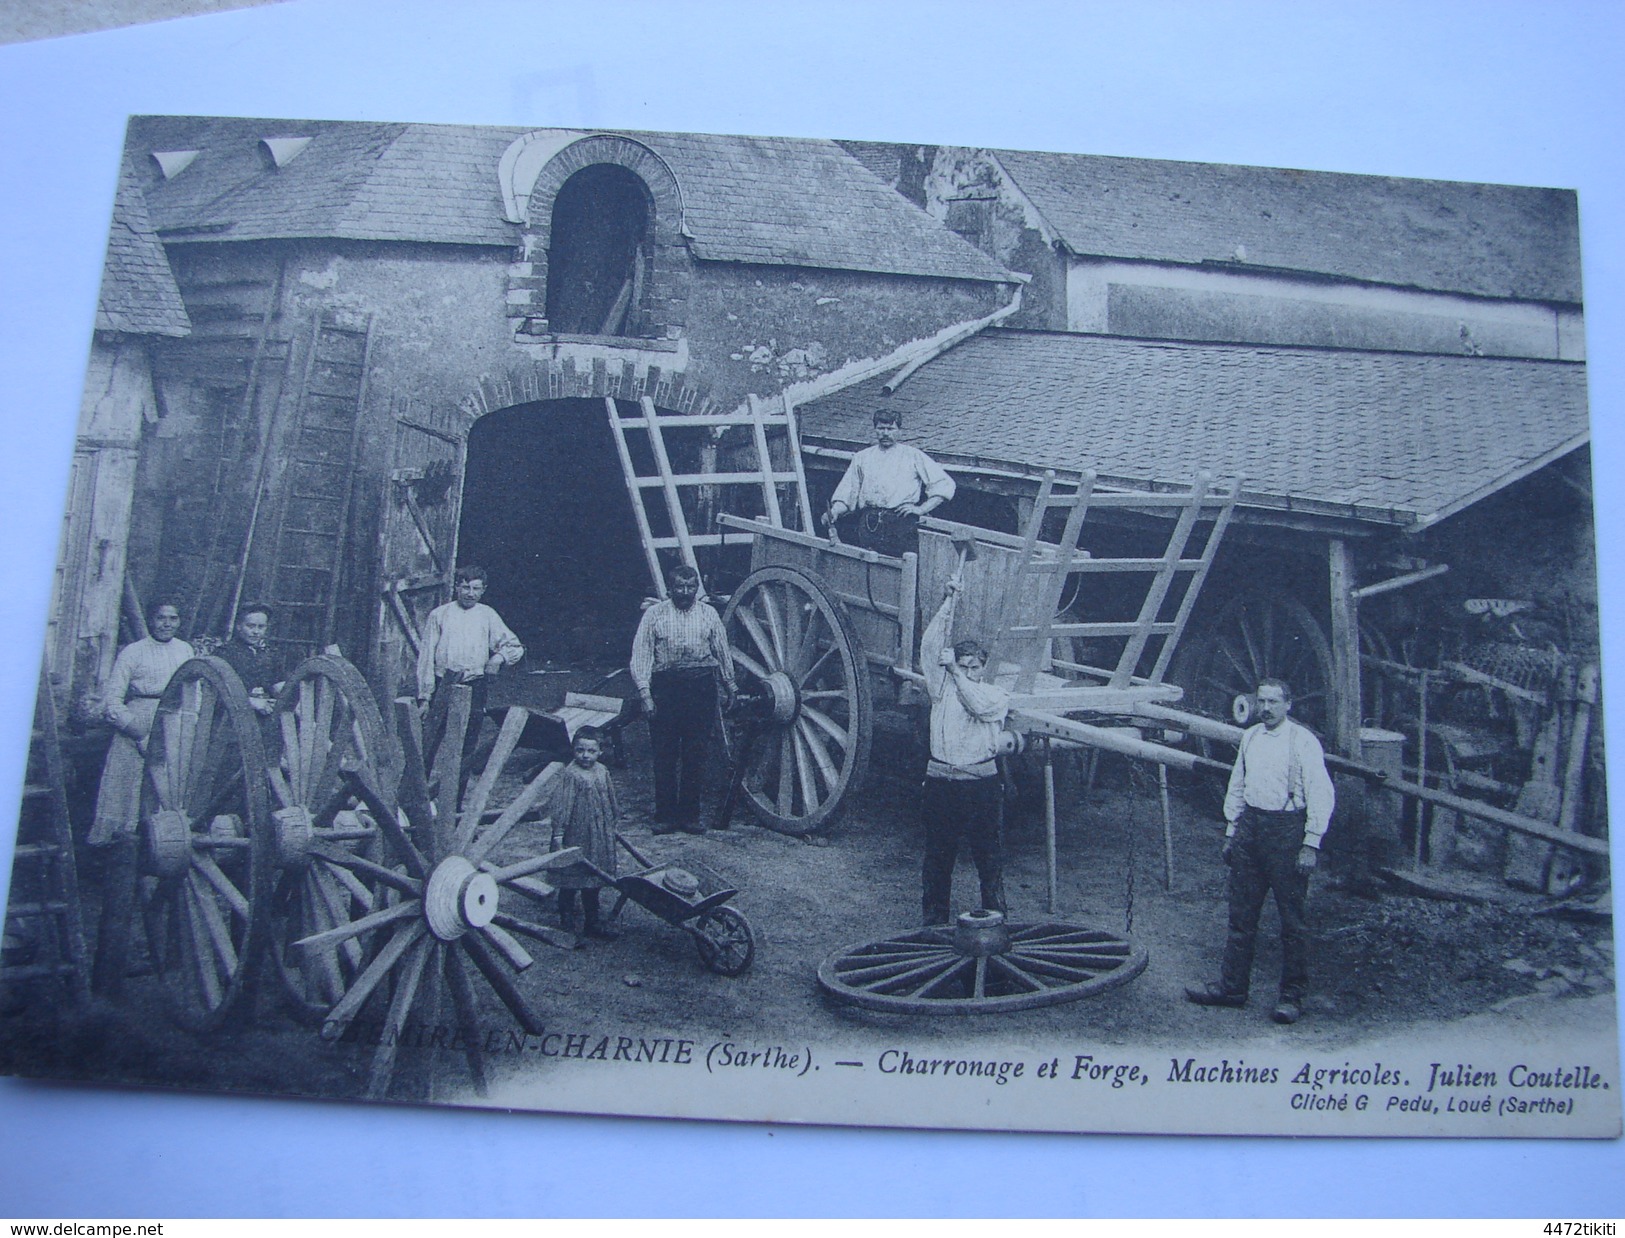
857, 632
593, 602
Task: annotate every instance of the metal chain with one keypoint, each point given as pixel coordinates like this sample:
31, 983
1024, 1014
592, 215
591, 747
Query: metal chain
1133, 836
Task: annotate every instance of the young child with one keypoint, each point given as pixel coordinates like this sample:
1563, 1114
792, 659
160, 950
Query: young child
585, 812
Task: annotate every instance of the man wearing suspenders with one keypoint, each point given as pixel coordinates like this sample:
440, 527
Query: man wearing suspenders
1276, 811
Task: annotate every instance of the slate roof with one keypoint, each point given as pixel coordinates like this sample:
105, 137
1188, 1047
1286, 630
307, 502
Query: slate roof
1446, 236
138, 294
778, 201
1391, 438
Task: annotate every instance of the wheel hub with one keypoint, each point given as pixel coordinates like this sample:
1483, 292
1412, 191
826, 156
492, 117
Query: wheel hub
786, 700
980, 934
459, 897
294, 834
169, 842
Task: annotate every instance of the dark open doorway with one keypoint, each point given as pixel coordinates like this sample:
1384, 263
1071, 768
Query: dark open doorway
546, 513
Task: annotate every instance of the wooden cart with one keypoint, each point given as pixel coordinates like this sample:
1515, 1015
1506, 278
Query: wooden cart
820, 630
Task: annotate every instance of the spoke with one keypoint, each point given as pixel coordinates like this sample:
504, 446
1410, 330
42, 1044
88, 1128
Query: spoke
462, 1001
785, 786
168, 726
1260, 661
326, 702
741, 658
1057, 971
354, 928
202, 951
513, 726
775, 624
362, 783
499, 980
336, 903
826, 694
764, 643
1033, 983
506, 942
899, 982
360, 864
979, 985
828, 725
350, 1004
952, 968
214, 923
818, 665
291, 751
305, 710
351, 883
324, 963
204, 740
1241, 671
216, 877
820, 754
952, 975
213, 807
523, 803
878, 973
804, 776
400, 1006
808, 641
279, 787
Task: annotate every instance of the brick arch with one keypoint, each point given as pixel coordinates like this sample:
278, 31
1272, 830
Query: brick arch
662, 310
560, 378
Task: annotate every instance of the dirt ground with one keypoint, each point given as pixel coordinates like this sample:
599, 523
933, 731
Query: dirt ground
1381, 963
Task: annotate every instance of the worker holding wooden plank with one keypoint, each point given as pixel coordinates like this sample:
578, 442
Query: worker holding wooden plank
464, 642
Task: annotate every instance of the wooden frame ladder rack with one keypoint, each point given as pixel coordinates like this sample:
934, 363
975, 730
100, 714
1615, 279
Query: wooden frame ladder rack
44, 934
671, 484
1027, 638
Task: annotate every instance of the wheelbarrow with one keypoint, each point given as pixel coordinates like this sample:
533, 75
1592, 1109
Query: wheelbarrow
692, 896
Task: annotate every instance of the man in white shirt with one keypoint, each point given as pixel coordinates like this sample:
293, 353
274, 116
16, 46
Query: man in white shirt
886, 489
963, 799
1276, 811
463, 642
679, 656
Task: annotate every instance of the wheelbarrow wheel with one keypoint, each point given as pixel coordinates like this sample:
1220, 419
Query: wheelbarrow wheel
725, 941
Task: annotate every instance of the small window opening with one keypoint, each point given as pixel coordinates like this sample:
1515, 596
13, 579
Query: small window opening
597, 251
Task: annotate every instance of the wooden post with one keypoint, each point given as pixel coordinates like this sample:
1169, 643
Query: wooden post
1345, 707
1049, 827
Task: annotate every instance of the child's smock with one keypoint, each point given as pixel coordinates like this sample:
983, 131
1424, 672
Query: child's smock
585, 811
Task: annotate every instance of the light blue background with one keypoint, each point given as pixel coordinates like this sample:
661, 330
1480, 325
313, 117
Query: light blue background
1482, 91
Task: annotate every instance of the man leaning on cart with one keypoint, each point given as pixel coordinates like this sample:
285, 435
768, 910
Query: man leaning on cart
885, 491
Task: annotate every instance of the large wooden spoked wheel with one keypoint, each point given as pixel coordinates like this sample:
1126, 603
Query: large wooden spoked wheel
206, 846
443, 919
328, 725
1257, 635
947, 970
791, 643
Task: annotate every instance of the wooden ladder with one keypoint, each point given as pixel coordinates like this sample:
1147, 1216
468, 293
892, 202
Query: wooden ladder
312, 523
44, 938
1028, 638
670, 484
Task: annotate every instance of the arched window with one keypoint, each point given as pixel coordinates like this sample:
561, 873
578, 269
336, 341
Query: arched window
598, 252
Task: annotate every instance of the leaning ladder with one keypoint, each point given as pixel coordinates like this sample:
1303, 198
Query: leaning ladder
669, 484
44, 937
1027, 637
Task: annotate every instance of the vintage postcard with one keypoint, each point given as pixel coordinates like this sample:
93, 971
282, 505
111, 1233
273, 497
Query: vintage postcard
824, 631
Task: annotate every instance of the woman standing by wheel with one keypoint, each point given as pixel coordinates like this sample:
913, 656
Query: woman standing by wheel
140, 673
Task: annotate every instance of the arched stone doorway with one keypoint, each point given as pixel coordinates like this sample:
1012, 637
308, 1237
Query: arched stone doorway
546, 513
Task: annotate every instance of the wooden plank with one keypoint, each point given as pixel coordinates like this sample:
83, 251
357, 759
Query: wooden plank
674, 503
645, 534
793, 444
770, 493
1151, 605
1345, 610
1193, 589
